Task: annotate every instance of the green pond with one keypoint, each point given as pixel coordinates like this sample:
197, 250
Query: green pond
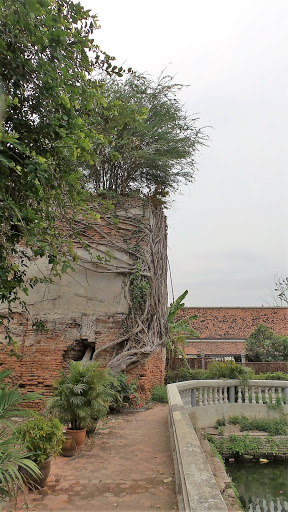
261, 487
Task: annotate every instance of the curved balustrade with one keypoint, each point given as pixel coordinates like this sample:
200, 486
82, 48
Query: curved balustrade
197, 490
210, 392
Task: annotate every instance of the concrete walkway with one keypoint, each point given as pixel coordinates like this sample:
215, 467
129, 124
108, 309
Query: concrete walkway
125, 466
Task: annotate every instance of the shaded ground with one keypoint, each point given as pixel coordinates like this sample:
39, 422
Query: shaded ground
126, 466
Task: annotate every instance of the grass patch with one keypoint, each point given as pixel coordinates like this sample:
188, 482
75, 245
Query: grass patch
159, 394
273, 426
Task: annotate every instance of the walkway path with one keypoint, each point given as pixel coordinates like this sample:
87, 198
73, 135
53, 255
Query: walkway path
127, 466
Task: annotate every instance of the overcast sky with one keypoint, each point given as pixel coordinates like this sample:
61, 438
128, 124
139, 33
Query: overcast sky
228, 230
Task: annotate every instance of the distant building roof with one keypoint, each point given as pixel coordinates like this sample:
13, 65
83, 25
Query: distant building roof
215, 347
225, 323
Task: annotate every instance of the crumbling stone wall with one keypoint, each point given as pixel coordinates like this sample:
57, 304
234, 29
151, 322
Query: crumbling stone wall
89, 308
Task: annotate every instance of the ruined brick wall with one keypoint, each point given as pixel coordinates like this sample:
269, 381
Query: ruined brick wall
86, 308
235, 322
42, 356
150, 372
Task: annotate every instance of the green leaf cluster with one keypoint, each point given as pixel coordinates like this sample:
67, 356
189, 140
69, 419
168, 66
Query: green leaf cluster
178, 331
265, 345
42, 437
81, 393
12, 458
149, 142
47, 59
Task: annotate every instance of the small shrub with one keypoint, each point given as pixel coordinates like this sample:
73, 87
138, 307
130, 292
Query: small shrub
274, 426
124, 389
228, 370
199, 374
276, 376
221, 431
184, 373
41, 437
159, 394
234, 420
220, 422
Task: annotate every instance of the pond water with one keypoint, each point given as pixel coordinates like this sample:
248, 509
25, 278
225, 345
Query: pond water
262, 487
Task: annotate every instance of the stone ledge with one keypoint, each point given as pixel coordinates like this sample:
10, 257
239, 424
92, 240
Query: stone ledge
196, 488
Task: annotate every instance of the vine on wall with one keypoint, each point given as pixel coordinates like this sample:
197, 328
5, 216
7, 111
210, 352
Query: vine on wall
138, 251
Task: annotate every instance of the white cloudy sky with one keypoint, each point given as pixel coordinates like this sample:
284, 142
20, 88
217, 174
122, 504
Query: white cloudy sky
228, 231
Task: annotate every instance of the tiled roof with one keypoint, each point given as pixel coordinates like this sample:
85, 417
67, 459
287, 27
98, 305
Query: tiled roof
235, 323
215, 347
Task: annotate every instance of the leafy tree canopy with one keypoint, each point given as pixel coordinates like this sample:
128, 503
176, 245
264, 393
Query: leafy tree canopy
264, 345
70, 127
149, 142
47, 60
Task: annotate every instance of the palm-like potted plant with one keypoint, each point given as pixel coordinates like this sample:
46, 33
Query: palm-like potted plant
13, 458
81, 393
42, 438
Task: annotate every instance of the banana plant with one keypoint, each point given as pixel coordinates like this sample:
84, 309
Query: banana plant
178, 332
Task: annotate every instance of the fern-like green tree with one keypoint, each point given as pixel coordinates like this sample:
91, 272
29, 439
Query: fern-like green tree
81, 393
149, 141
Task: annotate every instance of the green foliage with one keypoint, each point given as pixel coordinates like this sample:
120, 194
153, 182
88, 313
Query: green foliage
271, 376
234, 420
177, 332
228, 370
11, 460
176, 306
264, 345
39, 326
159, 394
149, 142
139, 289
11, 457
220, 422
184, 373
274, 426
81, 393
243, 444
12, 400
47, 61
235, 444
122, 388
42, 437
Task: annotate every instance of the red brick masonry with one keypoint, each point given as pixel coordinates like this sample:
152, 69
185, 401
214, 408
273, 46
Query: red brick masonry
231, 324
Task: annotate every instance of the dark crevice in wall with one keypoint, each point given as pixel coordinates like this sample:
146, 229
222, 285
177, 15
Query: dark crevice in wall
78, 350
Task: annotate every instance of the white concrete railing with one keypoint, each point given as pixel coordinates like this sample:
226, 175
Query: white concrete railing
196, 487
211, 392
200, 403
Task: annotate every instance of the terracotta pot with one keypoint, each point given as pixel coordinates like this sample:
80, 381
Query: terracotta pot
90, 431
35, 482
78, 436
68, 446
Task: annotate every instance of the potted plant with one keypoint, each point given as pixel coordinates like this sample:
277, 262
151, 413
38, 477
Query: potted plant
81, 393
42, 438
13, 458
